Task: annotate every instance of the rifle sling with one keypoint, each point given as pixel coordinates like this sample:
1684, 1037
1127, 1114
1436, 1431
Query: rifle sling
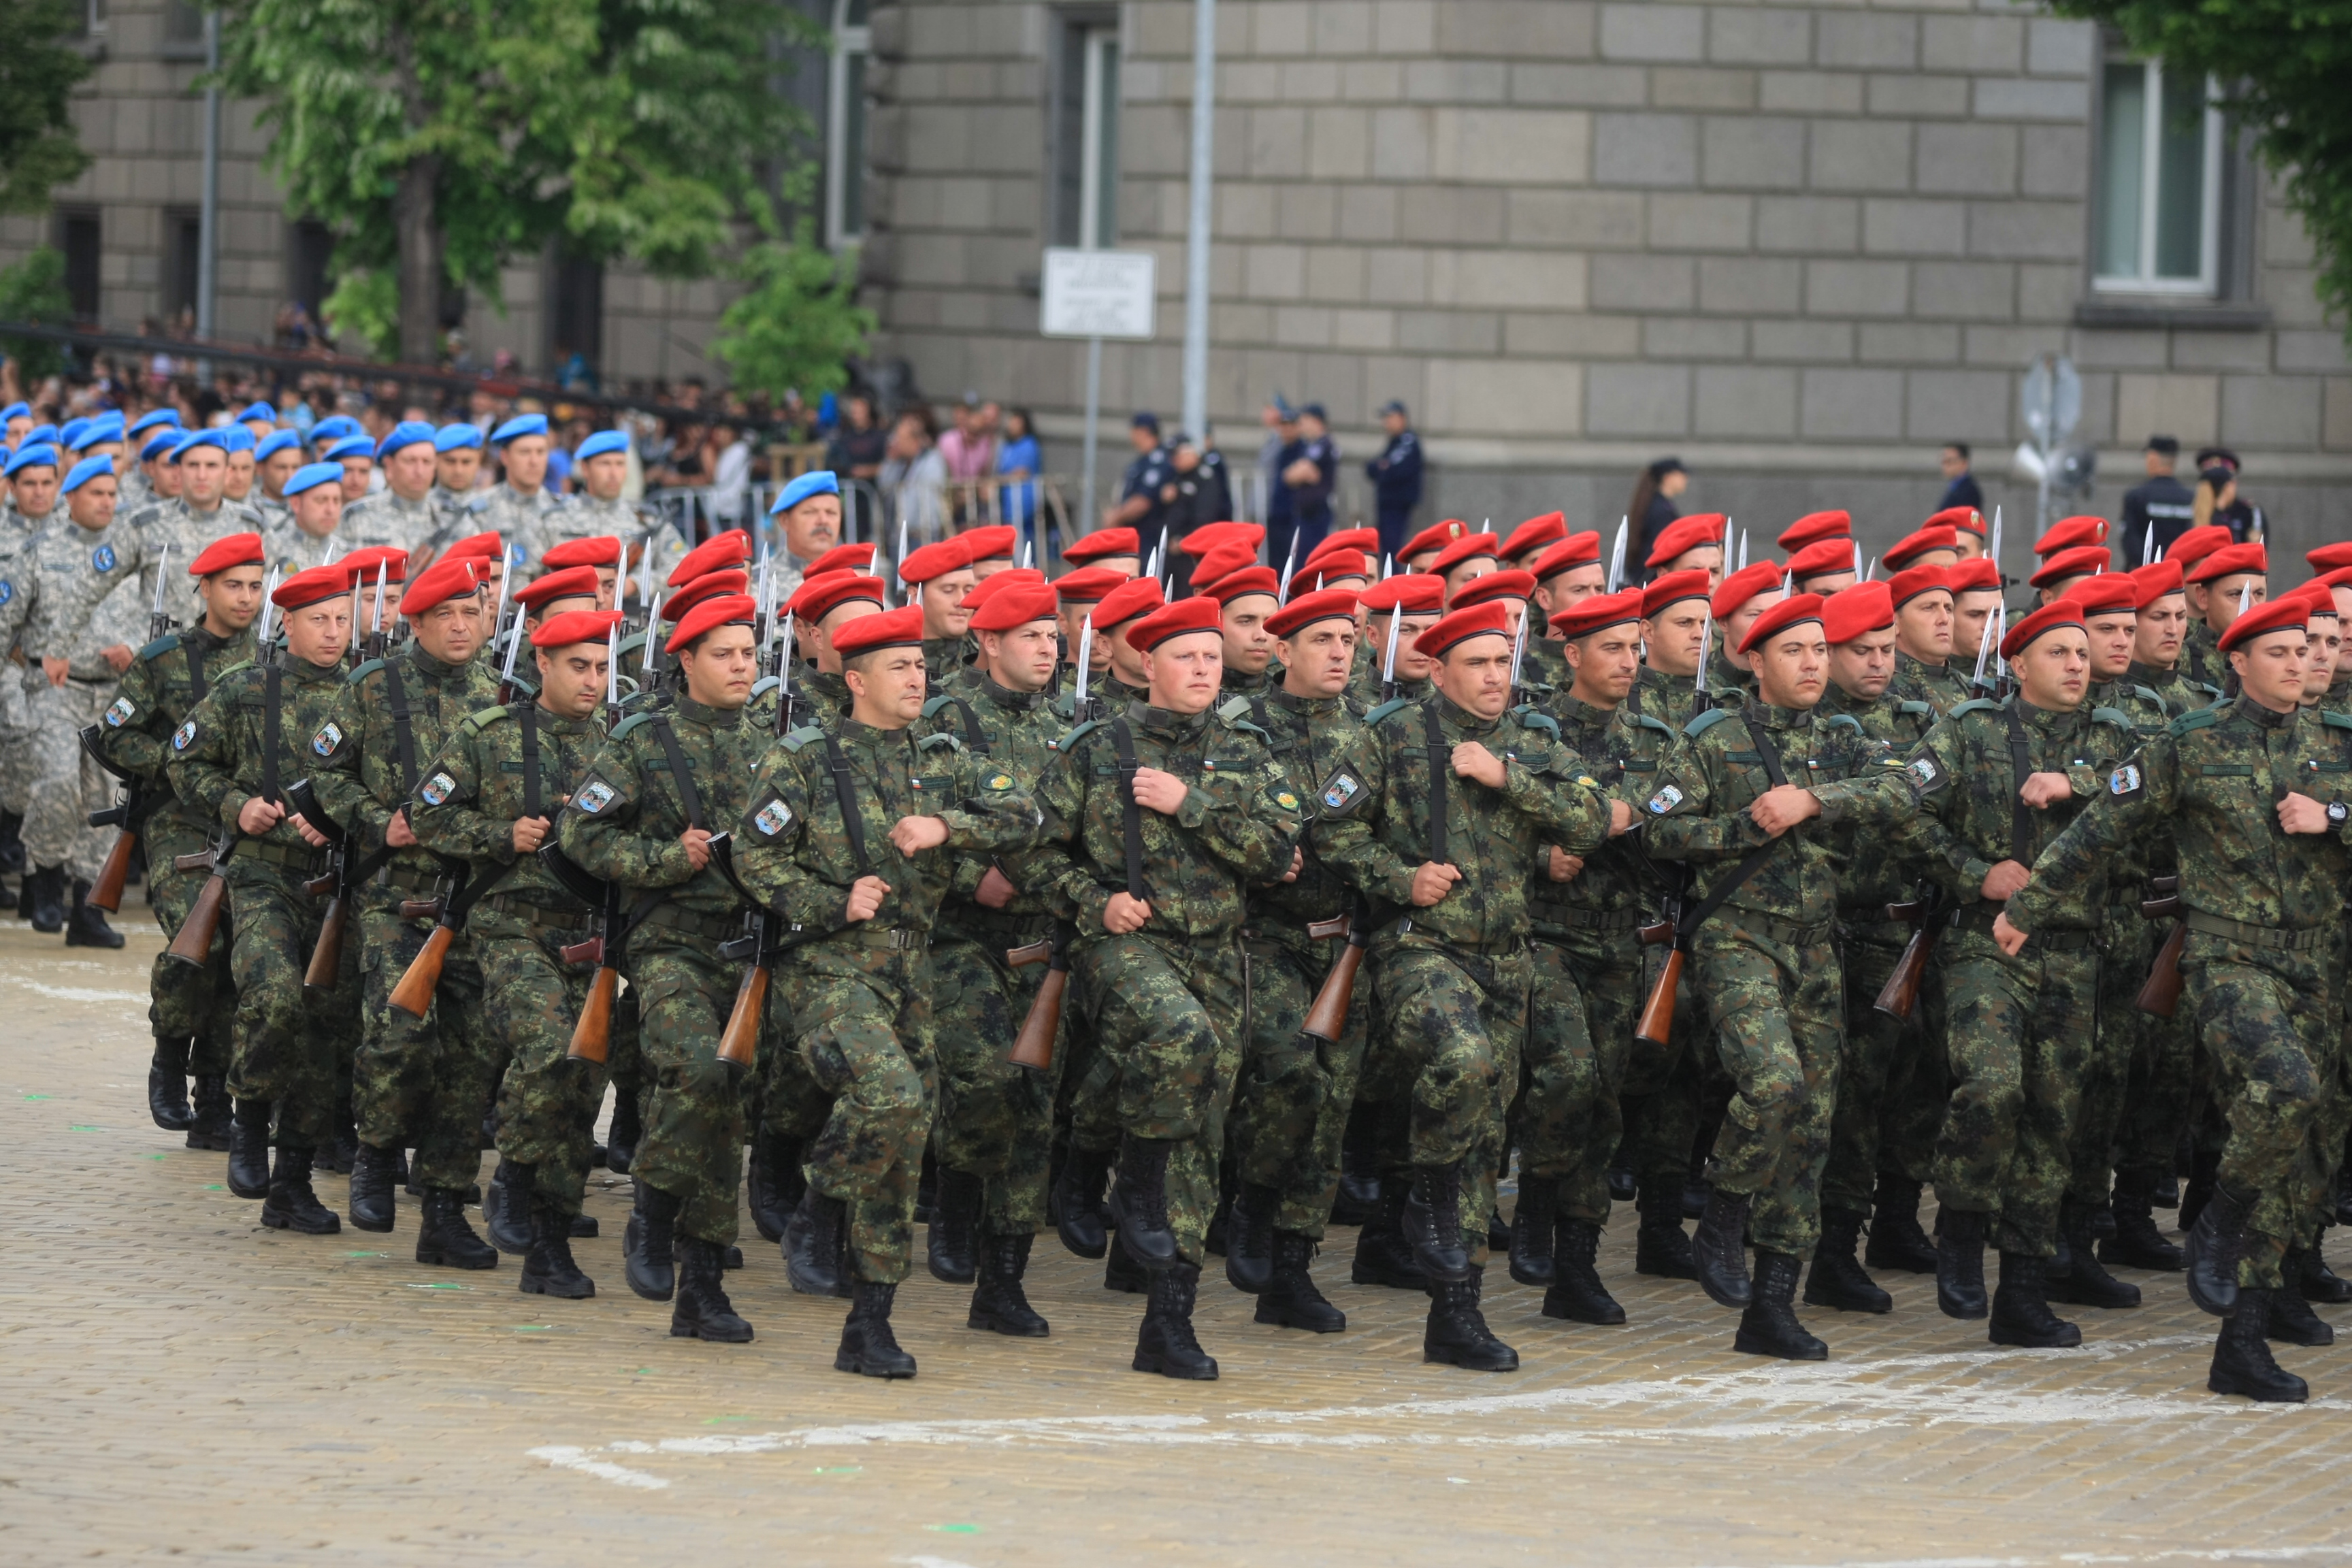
2021, 767
404, 726
1130, 813
196, 687
1749, 864
689, 799
1437, 765
532, 804
845, 795
273, 695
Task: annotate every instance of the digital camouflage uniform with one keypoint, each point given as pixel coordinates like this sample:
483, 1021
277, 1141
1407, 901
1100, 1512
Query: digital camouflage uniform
514, 515
1673, 700
585, 517
291, 550
64, 577
382, 518
1942, 687
187, 532
17, 586
2202, 662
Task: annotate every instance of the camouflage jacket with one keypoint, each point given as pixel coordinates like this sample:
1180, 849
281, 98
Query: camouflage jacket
186, 531
1237, 823
1699, 813
369, 761
1364, 689
625, 821
1015, 732
1383, 833
291, 550
382, 518
1729, 684
1672, 701
164, 683
2202, 661
944, 658
2179, 693
1940, 686
1621, 748
583, 517
2142, 707
218, 752
1877, 869
1311, 737
819, 698
2210, 784
477, 787
64, 574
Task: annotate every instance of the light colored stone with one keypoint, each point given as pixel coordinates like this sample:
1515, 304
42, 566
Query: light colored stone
1852, 405
1746, 401
1651, 32
1508, 145
2188, 406
1637, 400
1647, 150
1504, 397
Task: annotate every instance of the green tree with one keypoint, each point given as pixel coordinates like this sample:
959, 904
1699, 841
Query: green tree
39, 73
2283, 65
797, 321
34, 290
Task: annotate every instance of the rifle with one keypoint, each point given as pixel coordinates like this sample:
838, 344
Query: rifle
1034, 1046
342, 876
2161, 993
591, 1037
158, 622
413, 995
194, 943
1326, 1015
140, 801
1656, 1024
738, 1042
1900, 996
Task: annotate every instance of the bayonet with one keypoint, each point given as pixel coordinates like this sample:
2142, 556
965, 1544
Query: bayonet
1859, 575
1388, 664
1870, 571
784, 680
158, 622
1289, 565
505, 675
505, 569
1984, 652
1617, 557
1085, 660
2147, 546
1743, 551
613, 677
1518, 654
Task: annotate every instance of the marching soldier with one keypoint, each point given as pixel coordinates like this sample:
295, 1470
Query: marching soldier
1743, 598
149, 434
516, 509
402, 514
2158, 626
1399, 608
937, 576
2226, 579
807, 513
602, 467
1924, 645
307, 533
188, 522
275, 460
1674, 616
456, 466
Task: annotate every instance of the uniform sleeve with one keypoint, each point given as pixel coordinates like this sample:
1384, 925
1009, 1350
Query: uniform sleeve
341, 744
1248, 823
1681, 821
1869, 796
447, 814
2138, 797
769, 844
126, 732
598, 828
995, 815
1054, 867
203, 759
1349, 838
1548, 788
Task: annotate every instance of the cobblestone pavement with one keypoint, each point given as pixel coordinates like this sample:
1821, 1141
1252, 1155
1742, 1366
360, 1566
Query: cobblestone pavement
180, 1382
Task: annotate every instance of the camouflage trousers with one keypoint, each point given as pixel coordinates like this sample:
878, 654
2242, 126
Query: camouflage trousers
186, 1001
693, 1143
1777, 1002
421, 1083
2269, 1020
287, 1043
1658, 1102
2162, 1083
1166, 1018
1919, 1085
995, 1119
1461, 1018
866, 1040
1291, 1104
16, 743
67, 784
1873, 1045
788, 1104
2023, 1031
1567, 1122
2125, 952
530, 1001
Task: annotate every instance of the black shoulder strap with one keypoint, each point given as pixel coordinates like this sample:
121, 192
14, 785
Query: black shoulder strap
1131, 814
530, 800
404, 726
680, 778
196, 687
2021, 767
1768, 754
1750, 863
273, 695
1437, 765
844, 794
972, 736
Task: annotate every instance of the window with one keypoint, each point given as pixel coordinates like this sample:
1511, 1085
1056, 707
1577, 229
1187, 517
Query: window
183, 256
310, 247
87, 19
78, 238
1085, 136
575, 313
2158, 201
844, 128
183, 27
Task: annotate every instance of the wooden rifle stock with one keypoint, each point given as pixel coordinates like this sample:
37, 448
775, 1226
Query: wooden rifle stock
1656, 1026
1899, 998
194, 943
2160, 995
1034, 1046
1326, 1015
591, 951
592, 1038
327, 956
740, 1041
106, 893
413, 995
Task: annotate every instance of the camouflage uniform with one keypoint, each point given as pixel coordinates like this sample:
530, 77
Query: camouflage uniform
1364, 687
1941, 687
425, 1082
17, 585
1673, 700
2202, 662
2174, 687
67, 573
382, 518
291, 550
944, 658
187, 532
585, 517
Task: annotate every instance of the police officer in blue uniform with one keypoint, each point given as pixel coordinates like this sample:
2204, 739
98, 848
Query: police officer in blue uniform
1396, 477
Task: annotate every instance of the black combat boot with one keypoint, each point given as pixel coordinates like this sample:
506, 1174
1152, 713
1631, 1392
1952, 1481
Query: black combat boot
952, 1242
2216, 1242
167, 1085
248, 1150
1382, 1254
1433, 1223
1166, 1345
2291, 1320
1769, 1325
86, 926
1076, 1198
582, 1228
12, 844
1622, 1186
2344, 1195
291, 1205
817, 1246
868, 1346
506, 1208
1359, 1197
701, 1310
2020, 1308
2318, 1282
1291, 1300
548, 1269
1662, 1247
2242, 1362
1124, 1274
1836, 1278
1139, 1201
1719, 1249
370, 1202
650, 1243
1249, 1238
44, 899
2204, 1176
1898, 1240
214, 1115
346, 1140
1576, 1293
775, 1183
1456, 1332
621, 1142
1532, 1223
999, 1304
444, 1239
2087, 1281
2138, 1243
1959, 1264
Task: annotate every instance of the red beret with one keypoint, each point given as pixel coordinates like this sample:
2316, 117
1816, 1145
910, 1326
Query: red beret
1670, 587
842, 558
996, 542
1334, 560
1976, 575
1016, 606
1088, 585
2278, 615
1535, 534
2330, 557
1217, 536
1136, 597
727, 609
1198, 613
892, 628
1822, 557
1506, 584
1814, 527
1905, 586
702, 590
2153, 581
479, 547
715, 553
574, 626
2229, 560
364, 562
2318, 594
2107, 594
1220, 560
2071, 533
442, 581
2049, 618
2079, 562
1684, 535
1939, 537
1792, 611
1240, 585
1756, 577
2339, 578
311, 587
1576, 550
235, 550
1003, 581
604, 550
1858, 611
1103, 541
929, 561
1460, 627
1415, 592
2195, 544
1967, 518
1326, 604
1367, 540
1594, 611
572, 582
1469, 547
820, 596
1436, 536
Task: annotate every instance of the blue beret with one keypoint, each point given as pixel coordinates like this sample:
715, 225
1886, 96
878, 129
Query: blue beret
70, 432
107, 427
158, 444
275, 442
40, 433
456, 437
16, 411
237, 438
407, 433
155, 418
334, 427
84, 471
311, 476
194, 438
260, 411
819, 482
350, 447
521, 424
31, 454
601, 442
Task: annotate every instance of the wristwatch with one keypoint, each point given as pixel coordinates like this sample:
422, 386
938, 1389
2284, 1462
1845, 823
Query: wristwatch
2336, 813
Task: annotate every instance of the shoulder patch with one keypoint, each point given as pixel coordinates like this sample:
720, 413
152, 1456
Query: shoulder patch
1927, 774
436, 789
932, 743
770, 816
362, 672
593, 796
118, 712
330, 736
161, 645
2200, 719
1973, 705
1392, 707
1340, 794
1664, 801
1701, 723
184, 736
2126, 782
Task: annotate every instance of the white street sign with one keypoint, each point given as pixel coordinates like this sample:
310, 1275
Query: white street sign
1098, 294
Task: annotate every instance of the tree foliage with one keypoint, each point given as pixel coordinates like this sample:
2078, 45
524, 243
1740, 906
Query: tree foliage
797, 321
2285, 66
34, 290
38, 72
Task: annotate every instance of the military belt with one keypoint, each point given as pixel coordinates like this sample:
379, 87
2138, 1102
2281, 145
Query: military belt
536, 914
893, 938
979, 920
1979, 919
718, 928
311, 862
1789, 933
1588, 920
1884, 932
1476, 949
410, 882
2278, 938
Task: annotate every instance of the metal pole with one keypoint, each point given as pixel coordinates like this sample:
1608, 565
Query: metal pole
208, 222
1094, 416
1196, 236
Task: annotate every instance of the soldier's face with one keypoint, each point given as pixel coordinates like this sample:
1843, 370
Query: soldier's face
409, 471
356, 475
604, 474
526, 462
570, 678
1863, 667
943, 612
1125, 566
1707, 558
92, 505
36, 489
2111, 644
204, 475
813, 527
1607, 663
275, 473
16, 429
2344, 618
233, 597
1934, 558
1317, 660
2223, 596
1125, 662
2324, 649
720, 667
1248, 646
1571, 587
1792, 667
1411, 663
1674, 636
451, 631
608, 584
1972, 545
1736, 624
1185, 671
1023, 658
886, 688
1476, 566
1827, 583
1923, 626
2271, 669
316, 633
239, 484
457, 471
165, 478
1970, 611
2054, 668
821, 644
317, 509
1074, 632
1475, 675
